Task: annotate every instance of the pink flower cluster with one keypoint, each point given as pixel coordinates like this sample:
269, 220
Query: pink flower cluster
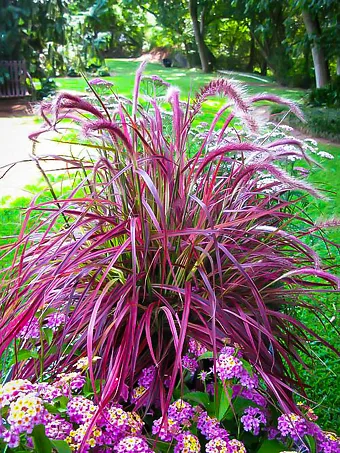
69, 382
220, 445
229, 366
132, 444
80, 409
25, 410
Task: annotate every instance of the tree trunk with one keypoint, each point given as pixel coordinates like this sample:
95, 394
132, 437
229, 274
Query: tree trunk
338, 66
319, 60
251, 62
202, 48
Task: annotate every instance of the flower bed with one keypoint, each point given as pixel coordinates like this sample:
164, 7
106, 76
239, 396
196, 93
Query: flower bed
212, 415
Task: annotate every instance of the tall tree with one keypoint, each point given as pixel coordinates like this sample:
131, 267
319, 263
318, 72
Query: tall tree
320, 63
198, 11
266, 22
322, 23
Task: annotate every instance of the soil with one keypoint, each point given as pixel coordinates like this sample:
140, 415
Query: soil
15, 108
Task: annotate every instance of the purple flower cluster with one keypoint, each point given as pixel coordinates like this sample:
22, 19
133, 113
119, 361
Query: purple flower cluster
147, 377
132, 444
329, 443
76, 437
179, 415
70, 381
230, 350
57, 428
116, 424
189, 363
31, 330
250, 382
196, 348
144, 383
166, 429
25, 412
296, 427
252, 419
229, 367
251, 395
181, 411
188, 443
292, 425
80, 409
23, 405
210, 427
220, 445
55, 320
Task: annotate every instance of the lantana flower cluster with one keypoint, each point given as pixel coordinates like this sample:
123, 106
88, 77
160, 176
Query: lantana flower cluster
33, 330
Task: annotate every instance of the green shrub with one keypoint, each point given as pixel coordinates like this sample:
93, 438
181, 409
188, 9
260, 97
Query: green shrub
320, 122
48, 88
103, 72
328, 96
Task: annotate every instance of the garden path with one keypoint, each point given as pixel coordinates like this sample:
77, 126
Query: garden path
16, 123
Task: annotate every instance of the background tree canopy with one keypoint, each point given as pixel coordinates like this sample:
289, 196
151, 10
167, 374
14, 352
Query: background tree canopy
297, 41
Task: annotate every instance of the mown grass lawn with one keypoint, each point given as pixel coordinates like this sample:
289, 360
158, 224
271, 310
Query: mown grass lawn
188, 80
325, 369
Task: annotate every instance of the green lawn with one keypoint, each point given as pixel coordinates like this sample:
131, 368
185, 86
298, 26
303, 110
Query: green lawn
323, 378
188, 80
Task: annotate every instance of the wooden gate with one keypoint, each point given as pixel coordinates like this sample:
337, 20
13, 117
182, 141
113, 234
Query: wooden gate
15, 74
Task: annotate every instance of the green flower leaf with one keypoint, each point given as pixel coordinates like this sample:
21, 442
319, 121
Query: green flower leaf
311, 443
198, 397
42, 443
271, 446
61, 446
225, 395
206, 355
25, 354
49, 335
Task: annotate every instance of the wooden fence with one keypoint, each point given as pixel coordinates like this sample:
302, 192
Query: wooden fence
15, 74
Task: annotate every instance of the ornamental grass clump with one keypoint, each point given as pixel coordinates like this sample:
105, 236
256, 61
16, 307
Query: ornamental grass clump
169, 233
